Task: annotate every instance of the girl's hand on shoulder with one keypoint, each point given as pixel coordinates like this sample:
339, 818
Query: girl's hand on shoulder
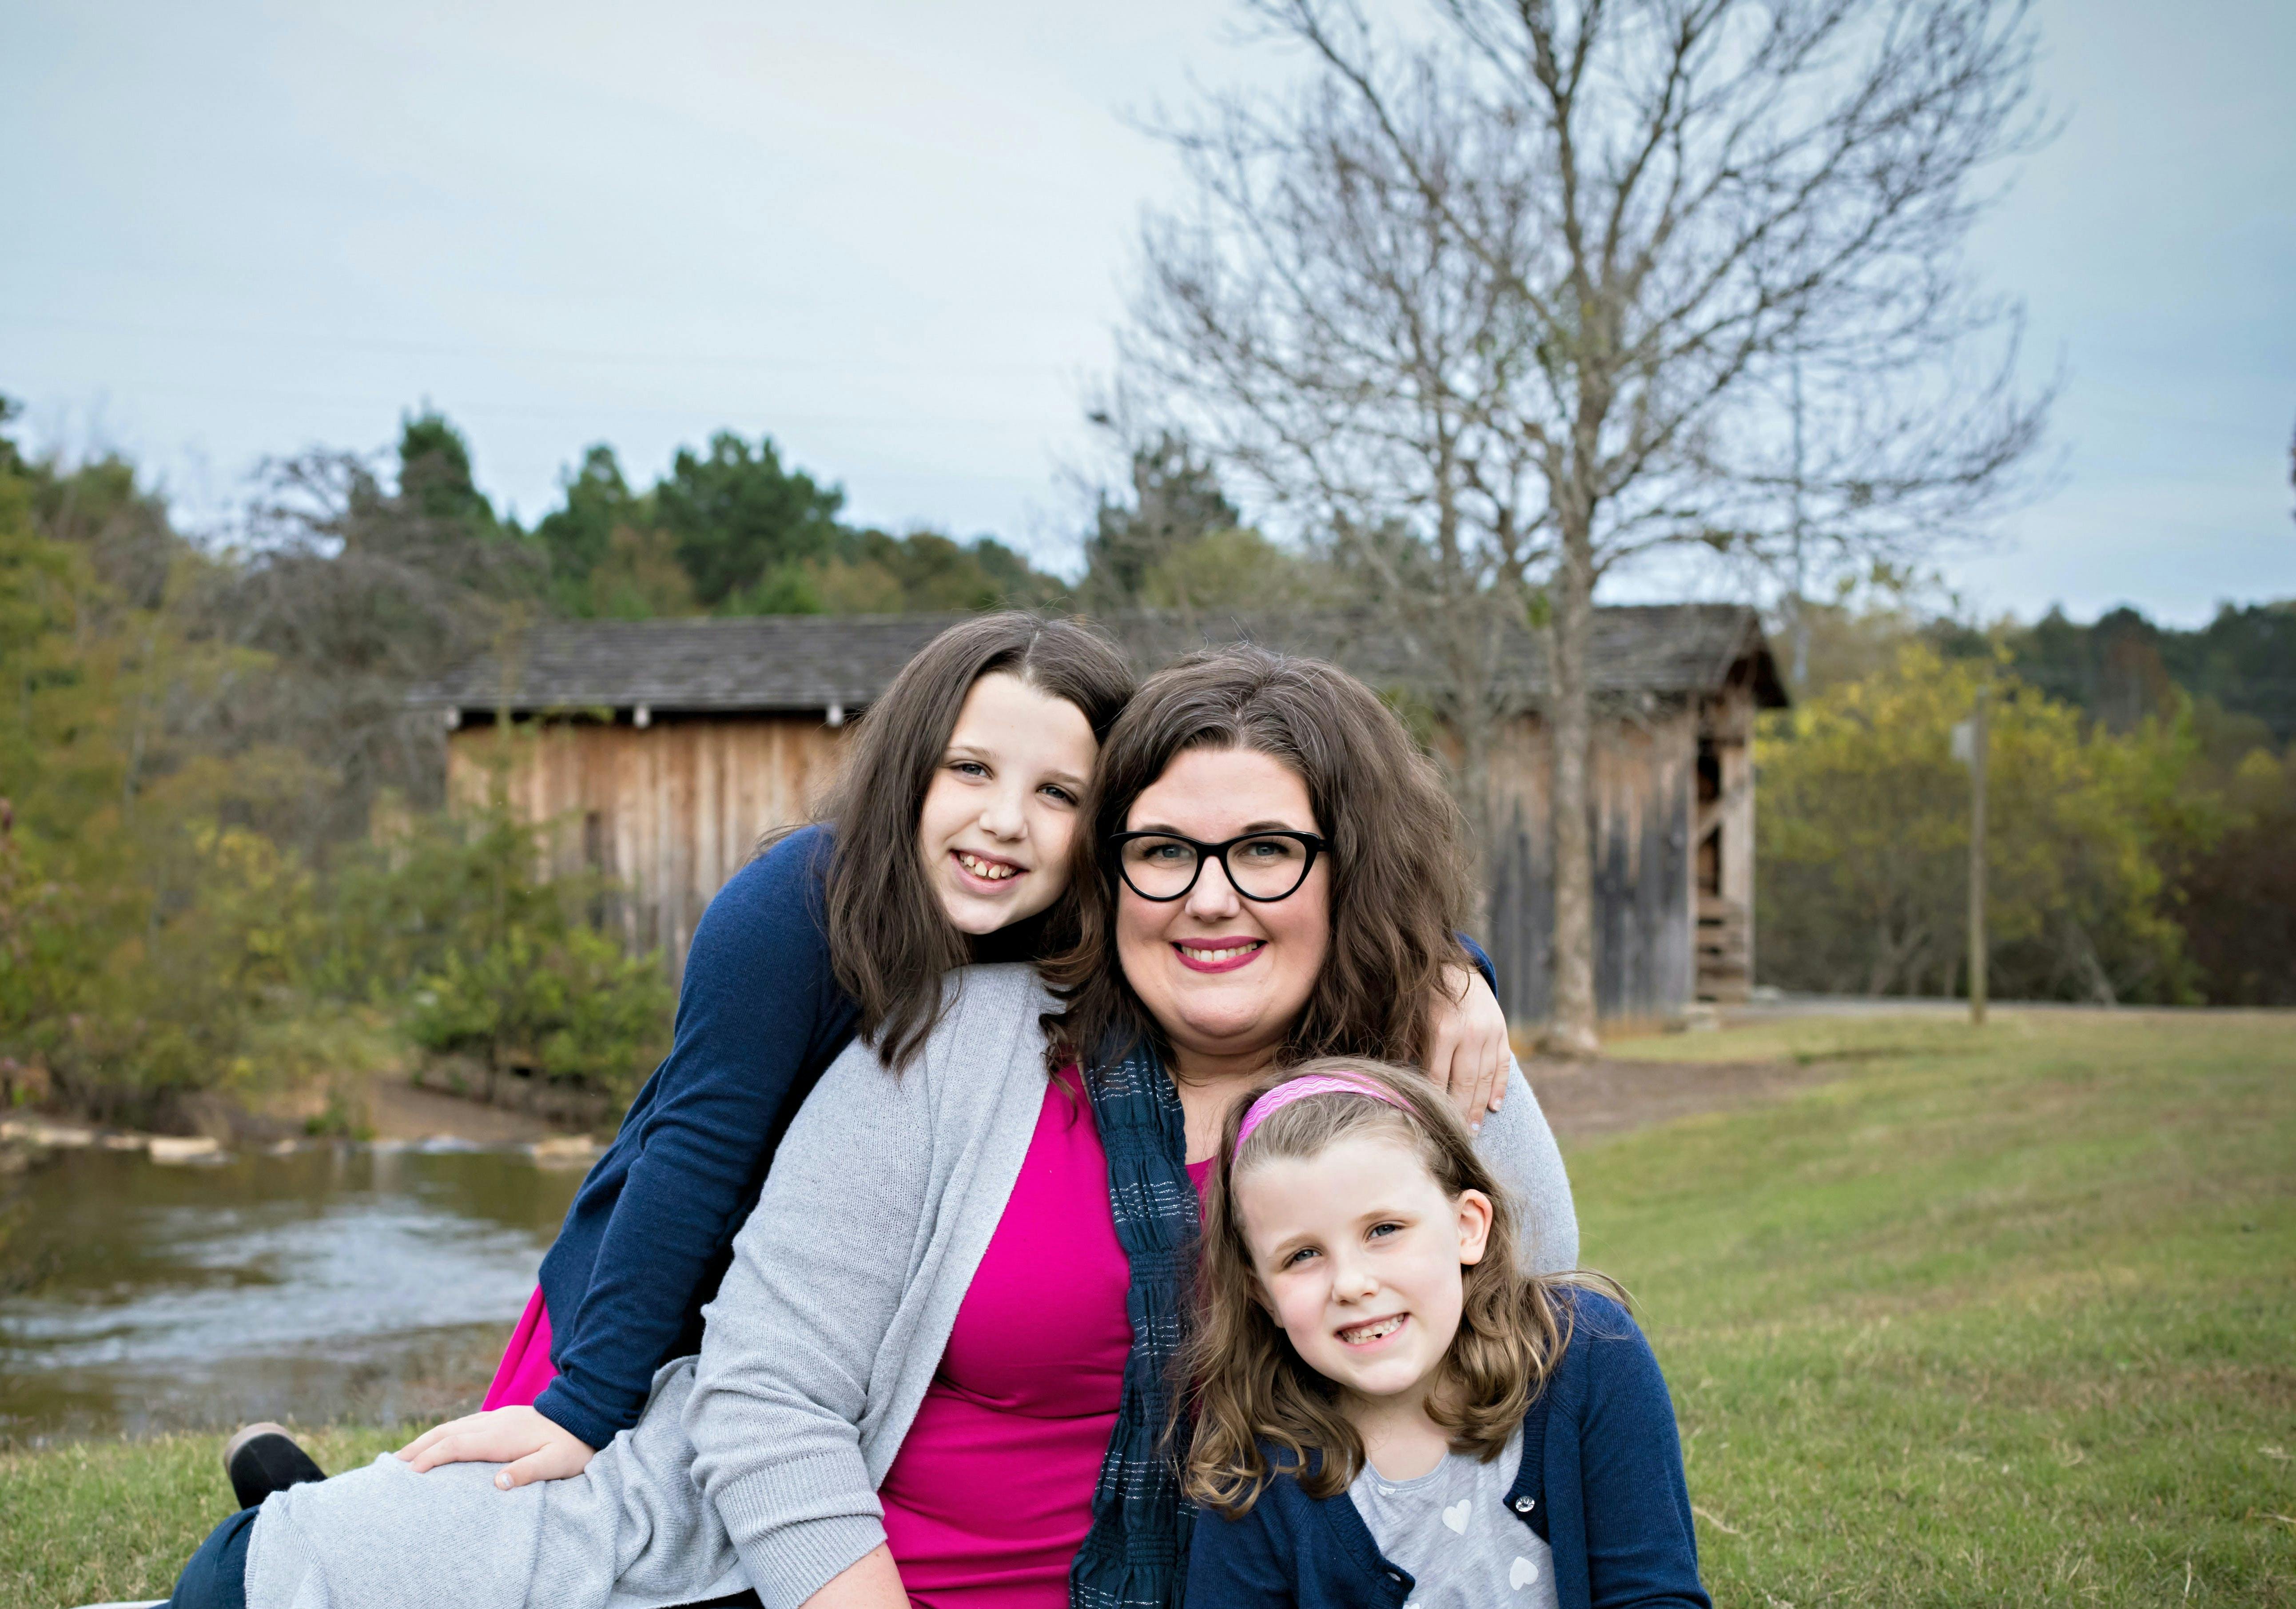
529, 1446
1467, 1053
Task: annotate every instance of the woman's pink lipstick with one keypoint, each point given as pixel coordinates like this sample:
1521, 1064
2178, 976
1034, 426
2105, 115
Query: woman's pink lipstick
1249, 949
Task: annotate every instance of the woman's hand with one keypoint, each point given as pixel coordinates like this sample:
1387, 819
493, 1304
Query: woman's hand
1467, 1044
528, 1445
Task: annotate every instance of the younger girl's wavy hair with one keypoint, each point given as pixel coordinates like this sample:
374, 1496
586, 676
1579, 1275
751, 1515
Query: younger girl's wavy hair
890, 942
1249, 1391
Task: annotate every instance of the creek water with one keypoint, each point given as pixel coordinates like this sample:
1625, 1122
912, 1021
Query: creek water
334, 1283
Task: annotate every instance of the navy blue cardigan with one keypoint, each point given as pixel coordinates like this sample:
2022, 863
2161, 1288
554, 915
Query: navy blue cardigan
1600, 1481
760, 1018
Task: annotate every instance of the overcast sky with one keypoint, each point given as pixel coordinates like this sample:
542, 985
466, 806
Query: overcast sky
894, 236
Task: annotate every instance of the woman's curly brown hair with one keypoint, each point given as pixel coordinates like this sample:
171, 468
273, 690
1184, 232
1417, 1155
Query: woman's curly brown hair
1249, 1391
1398, 880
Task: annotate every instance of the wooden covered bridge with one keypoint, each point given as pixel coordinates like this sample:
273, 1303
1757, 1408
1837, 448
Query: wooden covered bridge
661, 751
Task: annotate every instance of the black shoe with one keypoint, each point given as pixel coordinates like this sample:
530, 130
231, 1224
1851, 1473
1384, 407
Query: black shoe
263, 1459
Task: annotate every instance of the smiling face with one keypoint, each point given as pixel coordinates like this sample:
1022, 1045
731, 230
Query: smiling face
1225, 977
1358, 1253
1002, 806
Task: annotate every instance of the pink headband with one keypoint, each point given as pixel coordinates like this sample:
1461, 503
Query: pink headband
1299, 1089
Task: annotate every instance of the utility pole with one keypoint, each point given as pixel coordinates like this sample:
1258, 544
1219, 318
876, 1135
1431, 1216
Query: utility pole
1978, 735
1800, 608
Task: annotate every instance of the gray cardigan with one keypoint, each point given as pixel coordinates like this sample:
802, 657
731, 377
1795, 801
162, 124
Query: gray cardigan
758, 1462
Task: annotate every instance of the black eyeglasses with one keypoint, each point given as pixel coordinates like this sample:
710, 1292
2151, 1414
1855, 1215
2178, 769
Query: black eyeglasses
1266, 866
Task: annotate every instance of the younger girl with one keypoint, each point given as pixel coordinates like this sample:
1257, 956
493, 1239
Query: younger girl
1391, 1414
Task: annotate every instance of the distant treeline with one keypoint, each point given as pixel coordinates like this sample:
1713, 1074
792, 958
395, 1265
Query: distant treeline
228, 877
229, 874
2143, 809
2124, 669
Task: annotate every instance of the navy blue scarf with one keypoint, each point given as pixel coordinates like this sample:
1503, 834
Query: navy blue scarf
1135, 1555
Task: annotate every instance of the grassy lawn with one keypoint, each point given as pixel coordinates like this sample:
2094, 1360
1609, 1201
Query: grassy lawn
106, 1520
2006, 1317
1998, 1318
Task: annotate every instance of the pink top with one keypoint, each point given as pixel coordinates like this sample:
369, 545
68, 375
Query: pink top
525, 1368
990, 1495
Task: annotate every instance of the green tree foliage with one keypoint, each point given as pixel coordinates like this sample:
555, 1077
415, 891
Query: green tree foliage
146, 924
1863, 838
611, 557
873, 572
2236, 893
454, 918
1238, 569
435, 477
1176, 501
2123, 668
167, 931
578, 532
1179, 544
736, 532
742, 523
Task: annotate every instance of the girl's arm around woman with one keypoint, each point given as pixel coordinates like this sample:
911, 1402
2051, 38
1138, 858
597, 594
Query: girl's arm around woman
1517, 1145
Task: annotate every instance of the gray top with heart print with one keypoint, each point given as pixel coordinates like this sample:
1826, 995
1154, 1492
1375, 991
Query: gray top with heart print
1452, 1530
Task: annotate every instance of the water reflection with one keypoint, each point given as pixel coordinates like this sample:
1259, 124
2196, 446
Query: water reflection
334, 1283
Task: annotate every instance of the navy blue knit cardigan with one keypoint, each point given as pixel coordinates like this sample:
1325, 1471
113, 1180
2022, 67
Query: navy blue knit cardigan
1600, 1481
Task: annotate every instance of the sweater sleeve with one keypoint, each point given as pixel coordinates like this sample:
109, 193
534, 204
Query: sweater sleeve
1521, 1149
818, 1275
1242, 1564
758, 997
1642, 1546
1482, 962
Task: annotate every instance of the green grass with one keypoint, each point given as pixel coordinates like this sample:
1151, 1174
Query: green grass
99, 1520
1996, 1319
2006, 1317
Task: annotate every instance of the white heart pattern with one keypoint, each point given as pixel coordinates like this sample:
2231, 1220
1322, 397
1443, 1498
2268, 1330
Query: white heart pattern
1521, 1574
1456, 1517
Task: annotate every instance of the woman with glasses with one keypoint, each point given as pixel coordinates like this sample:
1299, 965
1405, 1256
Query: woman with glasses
938, 1370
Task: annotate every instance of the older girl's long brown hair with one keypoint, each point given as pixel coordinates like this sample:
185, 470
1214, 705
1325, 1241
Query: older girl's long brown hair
1250, 1389
890, 942
1398, 887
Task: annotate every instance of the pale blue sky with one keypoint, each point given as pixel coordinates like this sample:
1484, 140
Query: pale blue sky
894, 236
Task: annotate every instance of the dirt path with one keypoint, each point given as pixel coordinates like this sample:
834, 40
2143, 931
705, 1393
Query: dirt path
400, 1112
1582, 1099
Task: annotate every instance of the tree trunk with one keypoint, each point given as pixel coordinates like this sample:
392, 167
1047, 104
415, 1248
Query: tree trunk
1571, 1032
1474, 796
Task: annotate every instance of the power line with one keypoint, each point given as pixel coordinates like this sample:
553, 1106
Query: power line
466, 409
501, 349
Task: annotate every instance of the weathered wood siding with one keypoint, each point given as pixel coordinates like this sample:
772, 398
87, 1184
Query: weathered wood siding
1642, 782
669, 810
1725, 835
1673, 805
672, 809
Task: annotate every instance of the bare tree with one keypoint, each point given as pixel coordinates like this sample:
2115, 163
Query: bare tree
360, 591
1318, 321
1519, 289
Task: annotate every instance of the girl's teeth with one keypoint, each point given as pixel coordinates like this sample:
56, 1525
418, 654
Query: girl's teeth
1217, 955
983, 868
1372, 1332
